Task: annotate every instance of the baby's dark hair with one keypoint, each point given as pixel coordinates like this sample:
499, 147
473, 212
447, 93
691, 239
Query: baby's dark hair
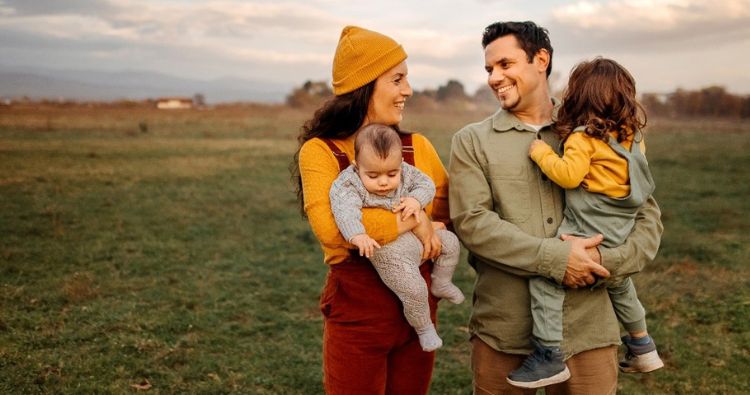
600, 96
381, 138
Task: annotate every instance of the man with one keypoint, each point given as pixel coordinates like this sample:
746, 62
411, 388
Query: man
506, 212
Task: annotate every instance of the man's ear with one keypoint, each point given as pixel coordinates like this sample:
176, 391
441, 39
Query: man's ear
542, 60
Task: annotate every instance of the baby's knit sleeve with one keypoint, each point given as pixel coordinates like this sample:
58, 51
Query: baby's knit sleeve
417, 184
346, 204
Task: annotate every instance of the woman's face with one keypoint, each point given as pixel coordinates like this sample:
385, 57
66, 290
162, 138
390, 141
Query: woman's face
388, 98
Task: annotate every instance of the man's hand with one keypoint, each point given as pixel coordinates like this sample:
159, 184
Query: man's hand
409, 206
365, 243
582, 269
593, 252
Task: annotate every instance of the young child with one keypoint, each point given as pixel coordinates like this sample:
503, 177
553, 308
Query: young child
378, 177
606, 179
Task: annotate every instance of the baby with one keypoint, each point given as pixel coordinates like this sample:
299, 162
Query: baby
378, 177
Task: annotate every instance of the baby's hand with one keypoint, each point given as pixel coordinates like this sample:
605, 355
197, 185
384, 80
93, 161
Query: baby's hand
409, 206
365, 243
536, 143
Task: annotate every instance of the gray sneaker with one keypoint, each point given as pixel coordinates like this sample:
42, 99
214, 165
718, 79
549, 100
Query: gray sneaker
640, 358
543, 367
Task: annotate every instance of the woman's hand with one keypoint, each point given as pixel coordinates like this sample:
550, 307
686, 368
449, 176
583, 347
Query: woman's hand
426, 234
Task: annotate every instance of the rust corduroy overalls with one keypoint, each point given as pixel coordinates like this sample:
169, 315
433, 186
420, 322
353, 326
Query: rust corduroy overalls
368, 347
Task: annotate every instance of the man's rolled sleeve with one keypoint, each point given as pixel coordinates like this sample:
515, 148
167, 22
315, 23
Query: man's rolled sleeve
554, 259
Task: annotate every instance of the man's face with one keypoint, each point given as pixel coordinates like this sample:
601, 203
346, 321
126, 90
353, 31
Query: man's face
517, 84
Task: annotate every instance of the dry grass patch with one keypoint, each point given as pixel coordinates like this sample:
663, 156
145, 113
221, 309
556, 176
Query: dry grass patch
80, 287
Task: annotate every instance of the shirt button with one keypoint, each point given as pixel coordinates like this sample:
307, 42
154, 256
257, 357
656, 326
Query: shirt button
549, 220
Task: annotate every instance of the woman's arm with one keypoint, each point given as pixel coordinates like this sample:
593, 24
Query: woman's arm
318, 169
433, 166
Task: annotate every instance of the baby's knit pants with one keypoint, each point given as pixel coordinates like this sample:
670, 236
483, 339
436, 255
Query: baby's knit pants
398, 263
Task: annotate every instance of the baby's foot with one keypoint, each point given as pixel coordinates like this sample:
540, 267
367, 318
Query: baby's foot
447, 291
429, 339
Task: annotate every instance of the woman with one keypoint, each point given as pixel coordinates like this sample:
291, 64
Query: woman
368, 347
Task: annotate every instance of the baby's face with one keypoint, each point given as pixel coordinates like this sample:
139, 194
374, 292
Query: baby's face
379, 176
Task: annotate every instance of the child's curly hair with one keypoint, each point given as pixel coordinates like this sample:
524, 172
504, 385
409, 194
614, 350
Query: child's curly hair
600, 96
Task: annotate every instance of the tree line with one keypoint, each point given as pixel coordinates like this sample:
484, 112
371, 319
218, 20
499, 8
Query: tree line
713, 101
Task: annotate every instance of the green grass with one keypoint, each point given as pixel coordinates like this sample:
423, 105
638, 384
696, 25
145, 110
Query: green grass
178, 256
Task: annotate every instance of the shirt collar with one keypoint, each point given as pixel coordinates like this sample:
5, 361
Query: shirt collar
503, 120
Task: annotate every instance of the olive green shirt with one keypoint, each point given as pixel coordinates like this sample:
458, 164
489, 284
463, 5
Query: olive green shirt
506, 213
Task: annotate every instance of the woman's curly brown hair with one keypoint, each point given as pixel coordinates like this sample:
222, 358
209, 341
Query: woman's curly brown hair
600, 96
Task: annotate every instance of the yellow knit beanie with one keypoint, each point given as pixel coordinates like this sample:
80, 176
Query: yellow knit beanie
361, 57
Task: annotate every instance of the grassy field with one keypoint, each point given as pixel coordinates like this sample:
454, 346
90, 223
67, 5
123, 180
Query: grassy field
163, 251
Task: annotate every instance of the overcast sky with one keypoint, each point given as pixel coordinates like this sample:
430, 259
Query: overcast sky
665, 43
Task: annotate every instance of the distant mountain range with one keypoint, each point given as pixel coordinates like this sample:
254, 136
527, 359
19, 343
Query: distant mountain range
40, 83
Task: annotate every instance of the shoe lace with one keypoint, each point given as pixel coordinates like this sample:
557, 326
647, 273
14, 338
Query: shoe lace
536, 357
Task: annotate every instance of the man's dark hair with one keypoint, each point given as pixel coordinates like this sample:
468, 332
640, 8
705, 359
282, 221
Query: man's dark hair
531, 38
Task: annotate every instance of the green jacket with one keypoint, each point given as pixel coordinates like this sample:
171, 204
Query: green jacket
506, 213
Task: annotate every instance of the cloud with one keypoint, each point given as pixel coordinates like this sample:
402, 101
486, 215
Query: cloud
53, 7
254, 37
649, 25
291, 41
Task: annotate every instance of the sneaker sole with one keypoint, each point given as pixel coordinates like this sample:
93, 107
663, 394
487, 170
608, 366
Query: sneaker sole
558, 378
647, 362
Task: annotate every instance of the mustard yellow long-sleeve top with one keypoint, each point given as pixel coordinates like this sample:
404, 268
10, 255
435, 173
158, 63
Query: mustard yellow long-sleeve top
319, 168
589, 162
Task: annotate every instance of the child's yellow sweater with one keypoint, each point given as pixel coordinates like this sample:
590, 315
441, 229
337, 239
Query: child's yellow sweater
589, 162
319, 168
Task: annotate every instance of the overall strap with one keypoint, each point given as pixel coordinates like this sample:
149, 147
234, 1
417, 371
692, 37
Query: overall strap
407, 148
406, 143
340, 156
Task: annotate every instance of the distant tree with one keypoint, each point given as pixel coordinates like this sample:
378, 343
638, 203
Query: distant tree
745, 110
453, 90
656, 104
423, 100
485, 95
310, 94
712, 101
199, 100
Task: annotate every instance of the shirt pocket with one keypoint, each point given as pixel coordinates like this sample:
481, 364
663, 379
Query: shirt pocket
510, 191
